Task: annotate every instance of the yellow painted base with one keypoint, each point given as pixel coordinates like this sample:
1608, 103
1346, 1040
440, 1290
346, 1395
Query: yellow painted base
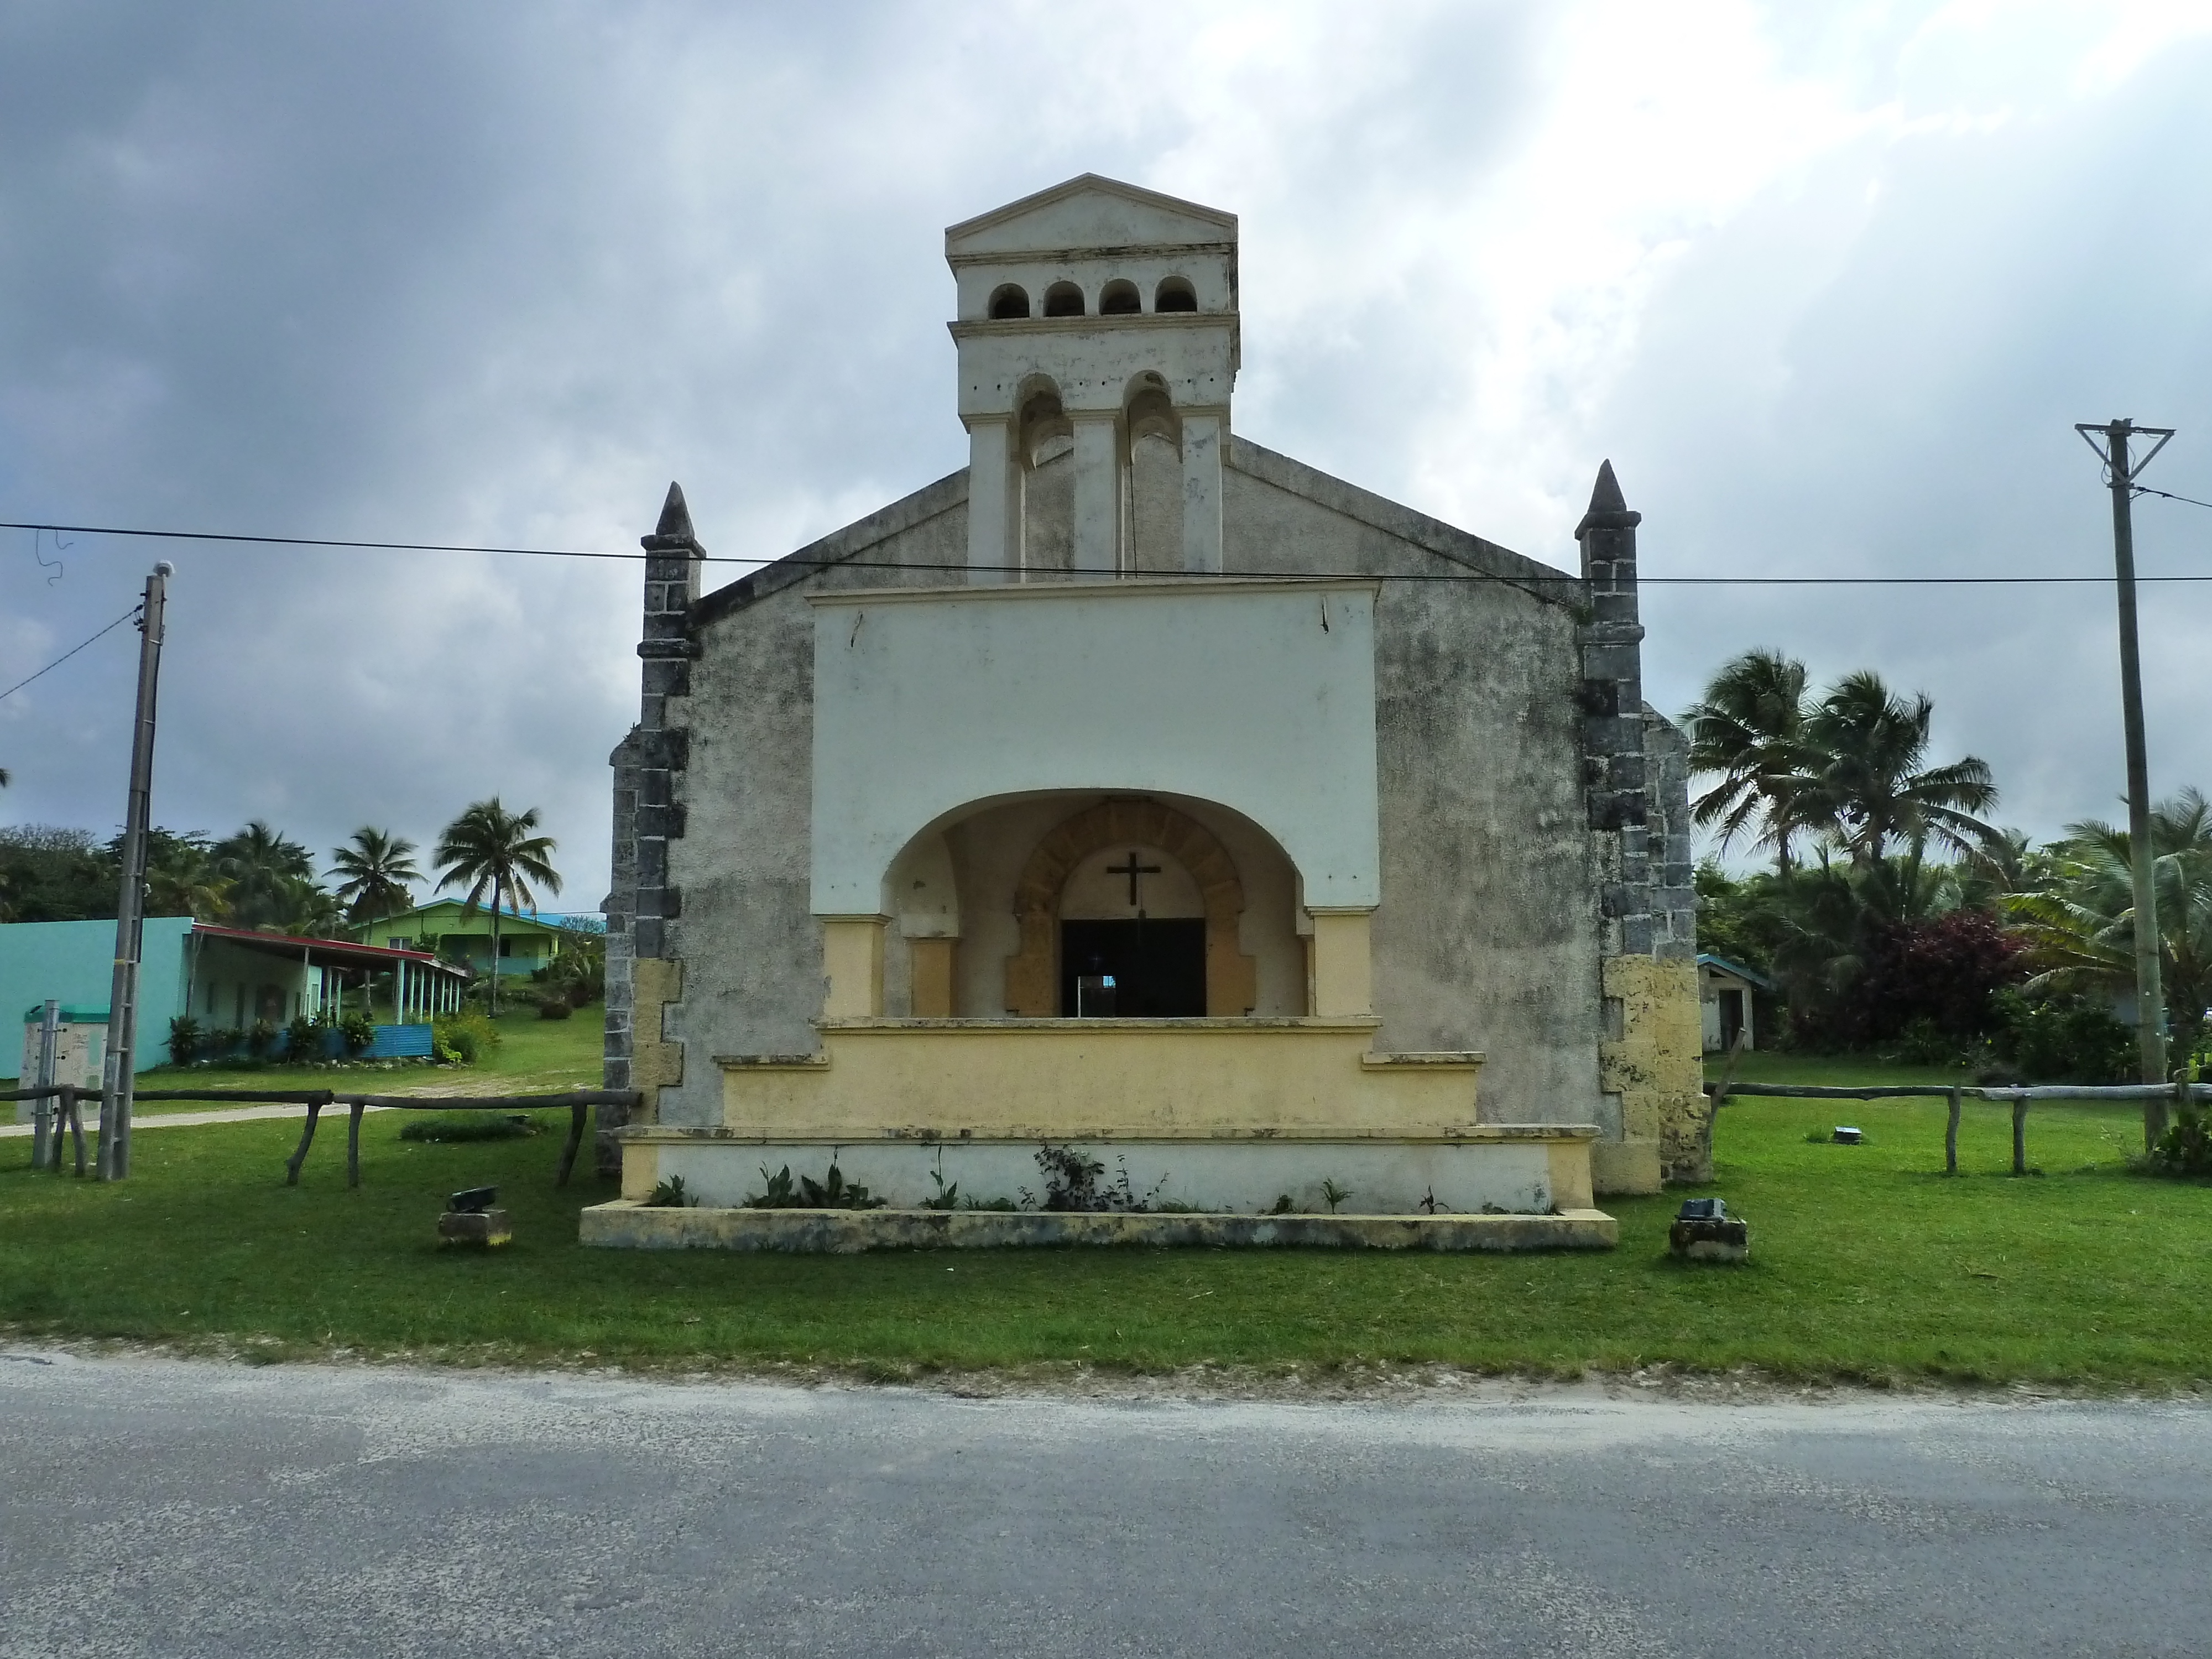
1077, 1079
1656, 1066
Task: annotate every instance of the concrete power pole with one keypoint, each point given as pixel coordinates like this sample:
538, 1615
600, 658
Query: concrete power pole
2150, 998
118, 1067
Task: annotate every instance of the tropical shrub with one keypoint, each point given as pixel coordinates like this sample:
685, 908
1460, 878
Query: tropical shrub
2185, 1148
303, 1042
2059, 1038
260, 1038
185, 1040
356, 1031
468, 1036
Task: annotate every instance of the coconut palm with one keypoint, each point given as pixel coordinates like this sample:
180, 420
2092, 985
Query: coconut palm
377, 868
182, 879
258, 862
1749, 729
490, 851
2080, 925
1869, 784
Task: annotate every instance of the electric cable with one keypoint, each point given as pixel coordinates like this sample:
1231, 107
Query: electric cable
73, 649
793, 561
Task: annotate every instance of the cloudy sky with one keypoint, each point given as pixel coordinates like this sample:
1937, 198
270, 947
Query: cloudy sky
1829, 284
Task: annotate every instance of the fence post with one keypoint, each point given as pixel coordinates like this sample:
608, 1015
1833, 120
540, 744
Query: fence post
1951, 1136
43, 1116
316, 1102
2020, 1132
353, 1144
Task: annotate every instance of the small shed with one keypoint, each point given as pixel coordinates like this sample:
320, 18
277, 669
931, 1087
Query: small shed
1725, 1002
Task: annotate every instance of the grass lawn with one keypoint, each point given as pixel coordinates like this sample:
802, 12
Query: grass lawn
1838, 1070
1867, 1264
533, 1055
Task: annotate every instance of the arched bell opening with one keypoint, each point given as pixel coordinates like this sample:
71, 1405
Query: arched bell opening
1063, 300
1044, 439
1009, 300
1153, 492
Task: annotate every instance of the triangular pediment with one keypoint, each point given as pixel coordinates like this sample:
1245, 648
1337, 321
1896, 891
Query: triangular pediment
1089, 212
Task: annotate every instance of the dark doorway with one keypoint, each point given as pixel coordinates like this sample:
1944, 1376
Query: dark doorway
1158, 968
1731, 1017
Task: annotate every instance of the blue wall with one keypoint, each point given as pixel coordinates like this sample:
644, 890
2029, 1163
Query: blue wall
74, 961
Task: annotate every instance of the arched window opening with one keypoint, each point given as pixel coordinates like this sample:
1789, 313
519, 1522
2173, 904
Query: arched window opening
1155, 479
1063, 300
1009, 300
1175, 295
1120, 299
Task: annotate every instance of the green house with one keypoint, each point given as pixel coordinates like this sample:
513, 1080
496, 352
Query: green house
460, 935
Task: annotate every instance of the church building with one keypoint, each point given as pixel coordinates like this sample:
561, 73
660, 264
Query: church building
1140, 791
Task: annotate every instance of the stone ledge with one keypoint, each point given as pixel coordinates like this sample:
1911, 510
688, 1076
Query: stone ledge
627, 1225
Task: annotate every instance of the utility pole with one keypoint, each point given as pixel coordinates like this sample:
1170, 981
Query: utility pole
117, 1077
2150, 999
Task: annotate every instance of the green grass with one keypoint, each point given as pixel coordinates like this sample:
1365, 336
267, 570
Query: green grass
1866, 1263
534, 1055
1840, 1071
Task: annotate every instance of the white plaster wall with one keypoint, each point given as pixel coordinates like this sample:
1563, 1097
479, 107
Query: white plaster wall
1385, 1177
1259, 697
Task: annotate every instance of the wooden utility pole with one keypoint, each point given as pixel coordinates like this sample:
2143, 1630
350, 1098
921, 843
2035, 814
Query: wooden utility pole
2150, 999
117, 1078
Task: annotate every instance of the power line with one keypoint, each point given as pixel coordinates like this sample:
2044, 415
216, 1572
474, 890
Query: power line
2167, 494
71, 652
792, 561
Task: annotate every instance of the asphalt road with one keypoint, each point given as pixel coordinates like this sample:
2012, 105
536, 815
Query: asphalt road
156, 1506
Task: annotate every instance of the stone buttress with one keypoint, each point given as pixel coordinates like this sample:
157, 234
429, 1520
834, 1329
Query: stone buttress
644, 974
1637, 789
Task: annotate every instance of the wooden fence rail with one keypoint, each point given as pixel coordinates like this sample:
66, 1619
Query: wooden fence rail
578, 1102
2018, 1098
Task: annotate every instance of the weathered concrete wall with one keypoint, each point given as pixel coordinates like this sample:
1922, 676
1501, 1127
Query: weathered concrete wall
1487, 935
746, 934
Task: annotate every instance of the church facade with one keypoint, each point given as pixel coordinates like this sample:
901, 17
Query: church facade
1141, 790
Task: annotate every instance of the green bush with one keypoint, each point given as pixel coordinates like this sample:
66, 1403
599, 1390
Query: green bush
184, 1039
554, 1004
303, 1041
2185, 1148
468, 1036
357, 1030
260, 1038
2062, 1039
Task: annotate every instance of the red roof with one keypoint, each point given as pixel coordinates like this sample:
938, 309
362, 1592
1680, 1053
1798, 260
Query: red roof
329, 947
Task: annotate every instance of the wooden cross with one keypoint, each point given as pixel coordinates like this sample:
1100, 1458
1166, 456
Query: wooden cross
1132, 870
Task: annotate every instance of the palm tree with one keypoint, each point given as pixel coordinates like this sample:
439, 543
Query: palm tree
182, 879
2081, 923
489, 850
258, 862
377, 868
1869, 783
1749, 729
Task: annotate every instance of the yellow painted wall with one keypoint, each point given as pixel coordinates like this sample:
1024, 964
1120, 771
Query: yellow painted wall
1655, 1065
655, 1062
1096, 1080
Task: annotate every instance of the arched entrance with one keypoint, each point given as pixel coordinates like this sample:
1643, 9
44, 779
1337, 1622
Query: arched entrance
1038, 984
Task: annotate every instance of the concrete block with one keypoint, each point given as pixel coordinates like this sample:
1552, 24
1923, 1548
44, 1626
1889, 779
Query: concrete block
1726, 1239
485, 1228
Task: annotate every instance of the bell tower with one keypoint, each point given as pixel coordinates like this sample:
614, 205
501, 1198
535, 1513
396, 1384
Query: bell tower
1105, 315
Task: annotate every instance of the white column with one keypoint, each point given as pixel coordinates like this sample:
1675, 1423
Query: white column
1098, 494
1201, 492
994, 533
